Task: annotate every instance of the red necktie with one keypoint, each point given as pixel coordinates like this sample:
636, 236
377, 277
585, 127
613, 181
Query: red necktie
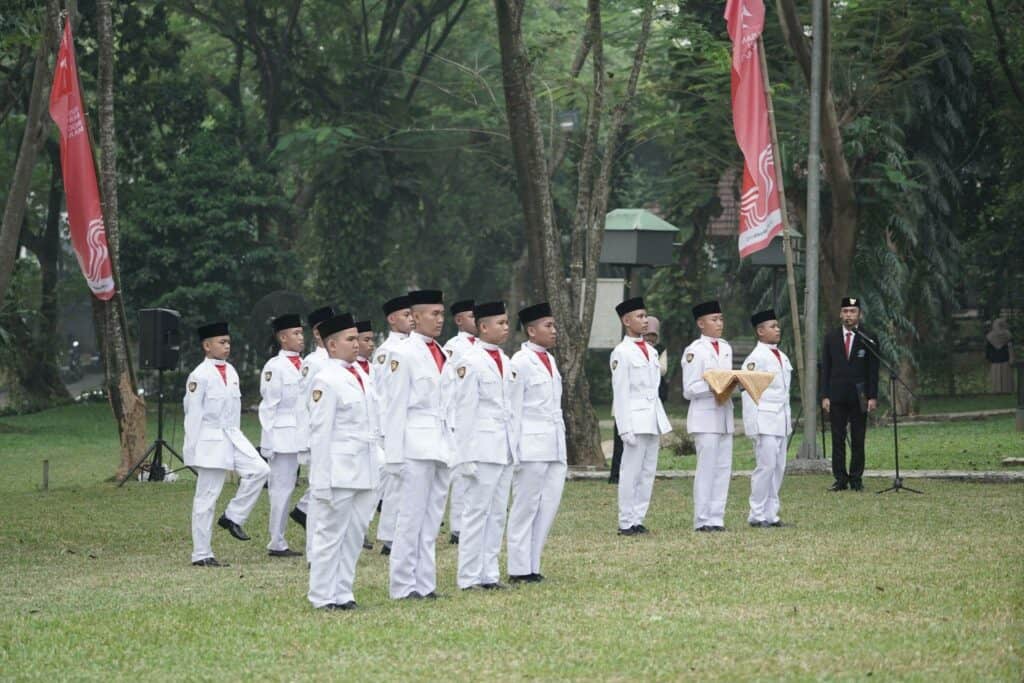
296, 361
714, 343
643, 347
543, 355
356, 375
436, 352
777, 355
849, 340
223, 370
365, 365
496, 355
472, 339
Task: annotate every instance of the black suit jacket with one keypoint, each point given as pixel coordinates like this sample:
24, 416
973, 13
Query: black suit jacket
839, 376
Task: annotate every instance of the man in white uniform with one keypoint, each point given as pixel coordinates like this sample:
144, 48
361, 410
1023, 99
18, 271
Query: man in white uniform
284, 425
214, 444
344, 469
639, 415
363, 366
710, 424
399, 317
462, 314
482, 409
768, 422
311, 365
540, 464
418, 438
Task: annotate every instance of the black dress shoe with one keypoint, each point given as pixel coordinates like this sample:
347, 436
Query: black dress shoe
760, 525
856, 486
631, 531
718, 528
536, 578
453, 539
287, 552
298, 516
385, 549
367, 545
704, 529
640, 529
351, 604
520, 578
496, 586
412, 596
209, 562
234, 529
432, 595
837, 487
778, 523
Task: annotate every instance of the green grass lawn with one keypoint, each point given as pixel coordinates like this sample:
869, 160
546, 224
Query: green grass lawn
96, 584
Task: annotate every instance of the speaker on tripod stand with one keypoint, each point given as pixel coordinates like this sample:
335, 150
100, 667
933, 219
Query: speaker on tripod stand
159, 349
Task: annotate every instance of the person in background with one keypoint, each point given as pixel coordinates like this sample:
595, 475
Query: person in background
999, 353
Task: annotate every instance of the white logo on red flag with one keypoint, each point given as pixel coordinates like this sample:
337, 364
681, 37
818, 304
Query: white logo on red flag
88, 236
760, 214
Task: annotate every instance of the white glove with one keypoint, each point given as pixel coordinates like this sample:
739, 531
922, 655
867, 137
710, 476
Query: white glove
465, 469
628, 438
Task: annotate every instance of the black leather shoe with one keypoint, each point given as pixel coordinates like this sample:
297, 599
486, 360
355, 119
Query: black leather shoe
856, 486
432, 595
298, 516
760, 525
704, 529
640, 529
837, 487
718, 528
453, 539
209, 562
412, 596
631, 531
385, 549
496, 586
778, 523
520, 578
287, 552
367, 545
233, 528
351, 604
536, 578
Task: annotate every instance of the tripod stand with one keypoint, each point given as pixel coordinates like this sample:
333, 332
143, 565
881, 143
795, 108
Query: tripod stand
897, 482
156, 469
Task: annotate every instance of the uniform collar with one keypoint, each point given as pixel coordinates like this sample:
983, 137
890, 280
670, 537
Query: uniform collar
487, 347
633, 339
343, 363
709, 340
398, 336
773, 347
467, 335
214, 361
288, 354
422, 337
534, 347
320, 351
362, 359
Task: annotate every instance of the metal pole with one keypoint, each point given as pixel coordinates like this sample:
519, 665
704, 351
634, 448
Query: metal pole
787, 247
809, 448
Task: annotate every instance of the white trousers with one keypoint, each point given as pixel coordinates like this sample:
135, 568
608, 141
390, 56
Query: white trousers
209, 482
422, 490
390, 481
343, 517
636, 479
283, 473
483, 523
770, 452
456, 503
536, 494
711, 481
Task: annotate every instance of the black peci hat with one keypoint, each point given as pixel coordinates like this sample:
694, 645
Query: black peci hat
461, 306
319, 315
342, 321
286, 322
706, 308
488, 309
535, 312
396, 304
218, 329
762, 317
422, 297
364, 326
850, 301
630, 305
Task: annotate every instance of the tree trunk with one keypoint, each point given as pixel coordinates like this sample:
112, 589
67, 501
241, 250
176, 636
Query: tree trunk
128, 407
37, 124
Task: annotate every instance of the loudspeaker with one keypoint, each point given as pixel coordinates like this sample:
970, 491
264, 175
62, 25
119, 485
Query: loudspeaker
159, 338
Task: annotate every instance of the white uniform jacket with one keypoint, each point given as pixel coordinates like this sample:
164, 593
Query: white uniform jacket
772, 415
284, 417
704, 414
481, 405
380, 368
415, 424
459, 344
213, 411
635, 378
343, 432
537, 407
312, 364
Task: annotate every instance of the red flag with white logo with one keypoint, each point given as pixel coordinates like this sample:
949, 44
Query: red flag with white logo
760, 215
88, 236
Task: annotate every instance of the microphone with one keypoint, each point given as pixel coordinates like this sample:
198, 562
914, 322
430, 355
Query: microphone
863, 336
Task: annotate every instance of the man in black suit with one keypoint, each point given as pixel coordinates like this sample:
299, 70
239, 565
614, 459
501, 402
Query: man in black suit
849, 391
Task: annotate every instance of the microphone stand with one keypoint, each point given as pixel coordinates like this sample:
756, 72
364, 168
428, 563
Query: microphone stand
897, 482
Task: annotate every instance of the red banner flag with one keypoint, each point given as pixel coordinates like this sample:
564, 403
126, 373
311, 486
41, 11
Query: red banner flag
760, 216
88, 236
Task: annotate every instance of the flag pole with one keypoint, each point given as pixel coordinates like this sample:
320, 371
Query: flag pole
787, 247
